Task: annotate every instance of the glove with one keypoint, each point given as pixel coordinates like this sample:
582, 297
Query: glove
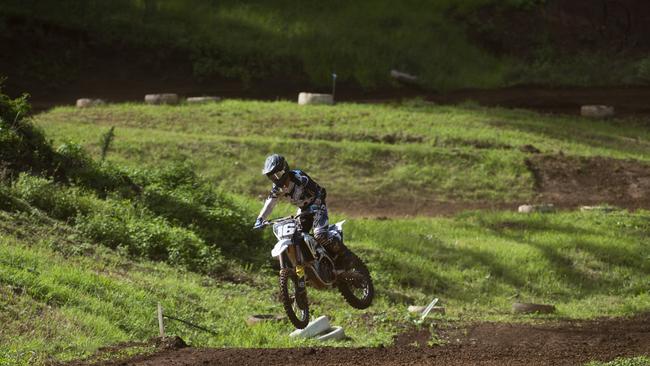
259, 224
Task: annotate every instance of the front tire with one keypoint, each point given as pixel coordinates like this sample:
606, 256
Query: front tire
356, 284
297, 311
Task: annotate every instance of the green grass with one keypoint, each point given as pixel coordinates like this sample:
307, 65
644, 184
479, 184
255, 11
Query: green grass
64, 291
411, 152
478, 264
66, 305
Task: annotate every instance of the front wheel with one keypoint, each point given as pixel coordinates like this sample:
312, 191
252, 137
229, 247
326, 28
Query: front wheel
295, 303
355, 284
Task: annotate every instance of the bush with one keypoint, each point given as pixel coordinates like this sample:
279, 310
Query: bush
63, 203
22, 146
141, 235
178, 195
176, 218
74, 166
118, 224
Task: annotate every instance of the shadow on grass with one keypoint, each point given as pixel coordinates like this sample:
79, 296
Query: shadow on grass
560, 258
217, 223
561, 252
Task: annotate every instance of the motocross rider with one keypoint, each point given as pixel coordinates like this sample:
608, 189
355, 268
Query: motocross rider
305, 193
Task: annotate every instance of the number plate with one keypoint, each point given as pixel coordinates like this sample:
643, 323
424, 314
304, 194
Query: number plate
285, 230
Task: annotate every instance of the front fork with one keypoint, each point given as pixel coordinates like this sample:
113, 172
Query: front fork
293, 257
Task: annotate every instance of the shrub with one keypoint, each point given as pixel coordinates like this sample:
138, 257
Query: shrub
63, 203
142, 235
177, 218
177, 194
22, 146
75, 166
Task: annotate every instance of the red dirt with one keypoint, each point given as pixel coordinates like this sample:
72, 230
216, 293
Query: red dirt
558, 343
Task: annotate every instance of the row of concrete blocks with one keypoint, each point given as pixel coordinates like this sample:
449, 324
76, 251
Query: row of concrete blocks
591, 111
173, 99
154, 99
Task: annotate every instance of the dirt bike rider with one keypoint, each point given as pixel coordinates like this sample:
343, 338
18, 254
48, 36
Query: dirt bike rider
305, 193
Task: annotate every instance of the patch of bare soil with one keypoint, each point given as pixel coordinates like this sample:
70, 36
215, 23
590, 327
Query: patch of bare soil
558, 343
567, 182
573, 181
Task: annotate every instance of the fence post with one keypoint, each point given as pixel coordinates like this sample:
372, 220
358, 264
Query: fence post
161, 326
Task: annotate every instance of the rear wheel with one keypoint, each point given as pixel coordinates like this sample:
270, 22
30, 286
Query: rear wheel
295, 303
355, 284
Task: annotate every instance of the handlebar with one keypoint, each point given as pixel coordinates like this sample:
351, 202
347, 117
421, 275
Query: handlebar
280, 219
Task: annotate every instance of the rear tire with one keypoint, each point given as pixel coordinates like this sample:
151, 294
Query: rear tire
298, 315
356, 284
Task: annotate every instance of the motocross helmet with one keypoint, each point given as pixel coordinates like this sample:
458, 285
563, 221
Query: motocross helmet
276, 169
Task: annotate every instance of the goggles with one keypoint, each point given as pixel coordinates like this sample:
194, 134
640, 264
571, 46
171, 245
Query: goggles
277, 176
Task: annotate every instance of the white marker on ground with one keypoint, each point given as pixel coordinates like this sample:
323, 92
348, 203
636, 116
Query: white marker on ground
428, 309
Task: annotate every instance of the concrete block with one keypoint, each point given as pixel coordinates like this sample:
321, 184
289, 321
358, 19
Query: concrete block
313, 98
404, 77
165, 98
543, 208
597, 111
598, 209
416, 309
87, 102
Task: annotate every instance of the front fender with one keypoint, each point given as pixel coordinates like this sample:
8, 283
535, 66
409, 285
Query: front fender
280, 247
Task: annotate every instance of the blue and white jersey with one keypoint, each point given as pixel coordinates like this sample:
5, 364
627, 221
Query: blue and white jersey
300, 190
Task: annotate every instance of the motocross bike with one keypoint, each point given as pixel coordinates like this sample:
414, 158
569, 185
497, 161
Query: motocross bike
304, 261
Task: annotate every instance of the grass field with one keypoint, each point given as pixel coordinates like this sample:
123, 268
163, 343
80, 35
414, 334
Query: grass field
89, 261
411, 152
588, 265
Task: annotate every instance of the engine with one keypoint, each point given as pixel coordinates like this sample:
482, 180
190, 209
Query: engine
321, 270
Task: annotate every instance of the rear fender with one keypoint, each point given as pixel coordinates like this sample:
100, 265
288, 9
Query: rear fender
339, 226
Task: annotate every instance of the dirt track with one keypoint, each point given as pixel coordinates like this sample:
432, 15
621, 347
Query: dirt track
562, 343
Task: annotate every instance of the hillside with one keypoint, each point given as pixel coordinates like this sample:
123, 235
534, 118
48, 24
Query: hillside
91, 246
448, 45
391, 159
